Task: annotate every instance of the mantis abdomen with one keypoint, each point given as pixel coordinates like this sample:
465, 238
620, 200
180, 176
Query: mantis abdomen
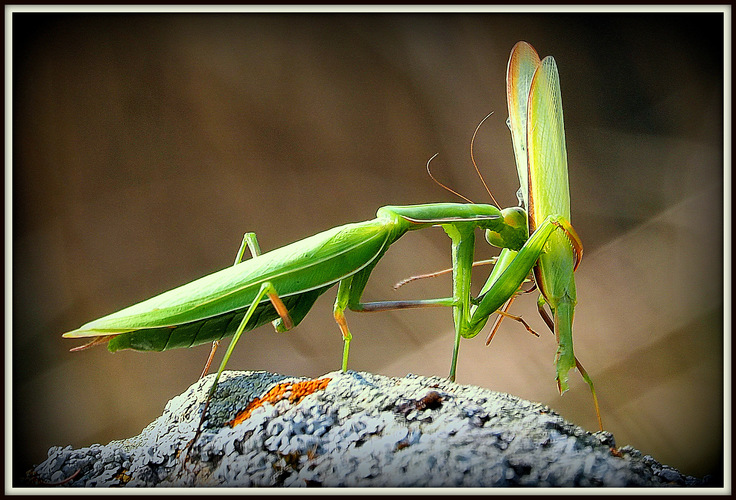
215, 328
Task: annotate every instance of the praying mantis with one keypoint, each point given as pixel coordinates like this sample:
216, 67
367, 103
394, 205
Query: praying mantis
538, 136
281, 286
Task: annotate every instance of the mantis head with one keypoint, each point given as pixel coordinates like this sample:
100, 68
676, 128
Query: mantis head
512, 231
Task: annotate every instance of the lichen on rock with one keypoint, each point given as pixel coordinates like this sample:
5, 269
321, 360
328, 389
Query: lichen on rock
356, 429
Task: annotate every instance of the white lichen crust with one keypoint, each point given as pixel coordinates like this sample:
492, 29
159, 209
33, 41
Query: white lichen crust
361, 430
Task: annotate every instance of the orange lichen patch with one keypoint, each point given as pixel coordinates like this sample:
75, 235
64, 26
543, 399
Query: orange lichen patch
123, 477
294, 391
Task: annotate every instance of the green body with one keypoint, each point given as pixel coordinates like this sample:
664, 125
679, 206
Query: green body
212, 307
549, 193
538, 135
281, 286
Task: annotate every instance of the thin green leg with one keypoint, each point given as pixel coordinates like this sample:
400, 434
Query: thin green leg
463, 248
267, 289
349, 292
250, 241
509, 281
455, 352
470, 319
341, 303
550, 324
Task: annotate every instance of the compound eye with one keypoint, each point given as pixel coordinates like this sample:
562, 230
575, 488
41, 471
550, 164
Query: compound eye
514, 217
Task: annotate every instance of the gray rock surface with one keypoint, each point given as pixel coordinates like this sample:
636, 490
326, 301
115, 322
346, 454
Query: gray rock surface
360, 430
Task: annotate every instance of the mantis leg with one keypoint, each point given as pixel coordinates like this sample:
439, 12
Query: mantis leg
213, 350
351, 289
502, 313
509, 280
551, 325
468, 319
249, 241
499, 318
405, 281
267, 289
343, 297
503, 283
349, 292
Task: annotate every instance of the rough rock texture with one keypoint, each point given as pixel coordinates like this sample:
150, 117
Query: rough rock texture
356, 429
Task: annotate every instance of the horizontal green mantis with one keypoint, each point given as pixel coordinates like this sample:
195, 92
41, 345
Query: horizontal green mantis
281, 286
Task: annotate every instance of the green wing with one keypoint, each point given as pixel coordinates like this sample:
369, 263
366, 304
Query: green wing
519, 73
546, 139
304, 266
548, 182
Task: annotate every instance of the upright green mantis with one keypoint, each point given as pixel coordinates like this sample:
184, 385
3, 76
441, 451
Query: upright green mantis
538, 136
281, 286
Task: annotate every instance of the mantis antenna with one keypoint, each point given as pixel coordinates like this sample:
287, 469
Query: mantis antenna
472, 158
475, 165
440, 273
442, 185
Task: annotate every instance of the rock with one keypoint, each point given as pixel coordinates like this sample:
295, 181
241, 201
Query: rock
356, 429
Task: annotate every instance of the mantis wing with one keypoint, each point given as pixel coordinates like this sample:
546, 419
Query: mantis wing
520, 70
519, 73
210, 307
549, 194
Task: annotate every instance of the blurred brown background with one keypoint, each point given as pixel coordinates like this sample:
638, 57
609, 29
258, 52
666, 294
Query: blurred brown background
144, 146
